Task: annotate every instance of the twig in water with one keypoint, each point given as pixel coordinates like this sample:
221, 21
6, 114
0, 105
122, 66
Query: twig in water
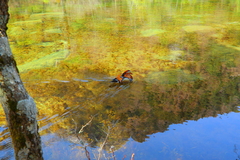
81, 130
103, 144
112, 150
124, 157
132, 157
87, 153
105, 140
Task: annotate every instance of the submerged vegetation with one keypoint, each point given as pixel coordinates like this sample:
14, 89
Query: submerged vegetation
134, 35
184, 55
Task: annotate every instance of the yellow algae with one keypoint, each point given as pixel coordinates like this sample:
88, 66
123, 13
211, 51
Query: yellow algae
198, 28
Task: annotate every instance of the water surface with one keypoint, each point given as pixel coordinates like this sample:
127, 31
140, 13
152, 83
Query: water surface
183, 103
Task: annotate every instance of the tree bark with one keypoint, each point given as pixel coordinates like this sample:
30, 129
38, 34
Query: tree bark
19, 107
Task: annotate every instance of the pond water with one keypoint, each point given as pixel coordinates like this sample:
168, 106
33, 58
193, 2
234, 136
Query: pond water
183, 103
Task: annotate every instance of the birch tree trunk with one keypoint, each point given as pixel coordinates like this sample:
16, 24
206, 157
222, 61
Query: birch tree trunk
19, 107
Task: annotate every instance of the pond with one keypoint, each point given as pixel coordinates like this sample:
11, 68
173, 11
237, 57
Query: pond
184, 100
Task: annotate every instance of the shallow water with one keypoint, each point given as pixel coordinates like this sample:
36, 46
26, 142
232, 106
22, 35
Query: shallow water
184, 100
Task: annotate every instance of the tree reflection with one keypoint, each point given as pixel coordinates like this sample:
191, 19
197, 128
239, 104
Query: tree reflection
140, 109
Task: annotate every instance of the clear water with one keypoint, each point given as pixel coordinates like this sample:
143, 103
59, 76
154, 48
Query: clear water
183, 103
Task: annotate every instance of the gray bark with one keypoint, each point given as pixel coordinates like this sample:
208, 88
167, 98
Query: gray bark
19, 107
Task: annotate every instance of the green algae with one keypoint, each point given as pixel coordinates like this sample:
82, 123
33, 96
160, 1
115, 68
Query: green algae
54, 30
171, 77
151, 32
27, 22
46, 61
47, 14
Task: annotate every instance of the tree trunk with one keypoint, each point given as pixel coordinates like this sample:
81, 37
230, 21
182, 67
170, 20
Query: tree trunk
19, 107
